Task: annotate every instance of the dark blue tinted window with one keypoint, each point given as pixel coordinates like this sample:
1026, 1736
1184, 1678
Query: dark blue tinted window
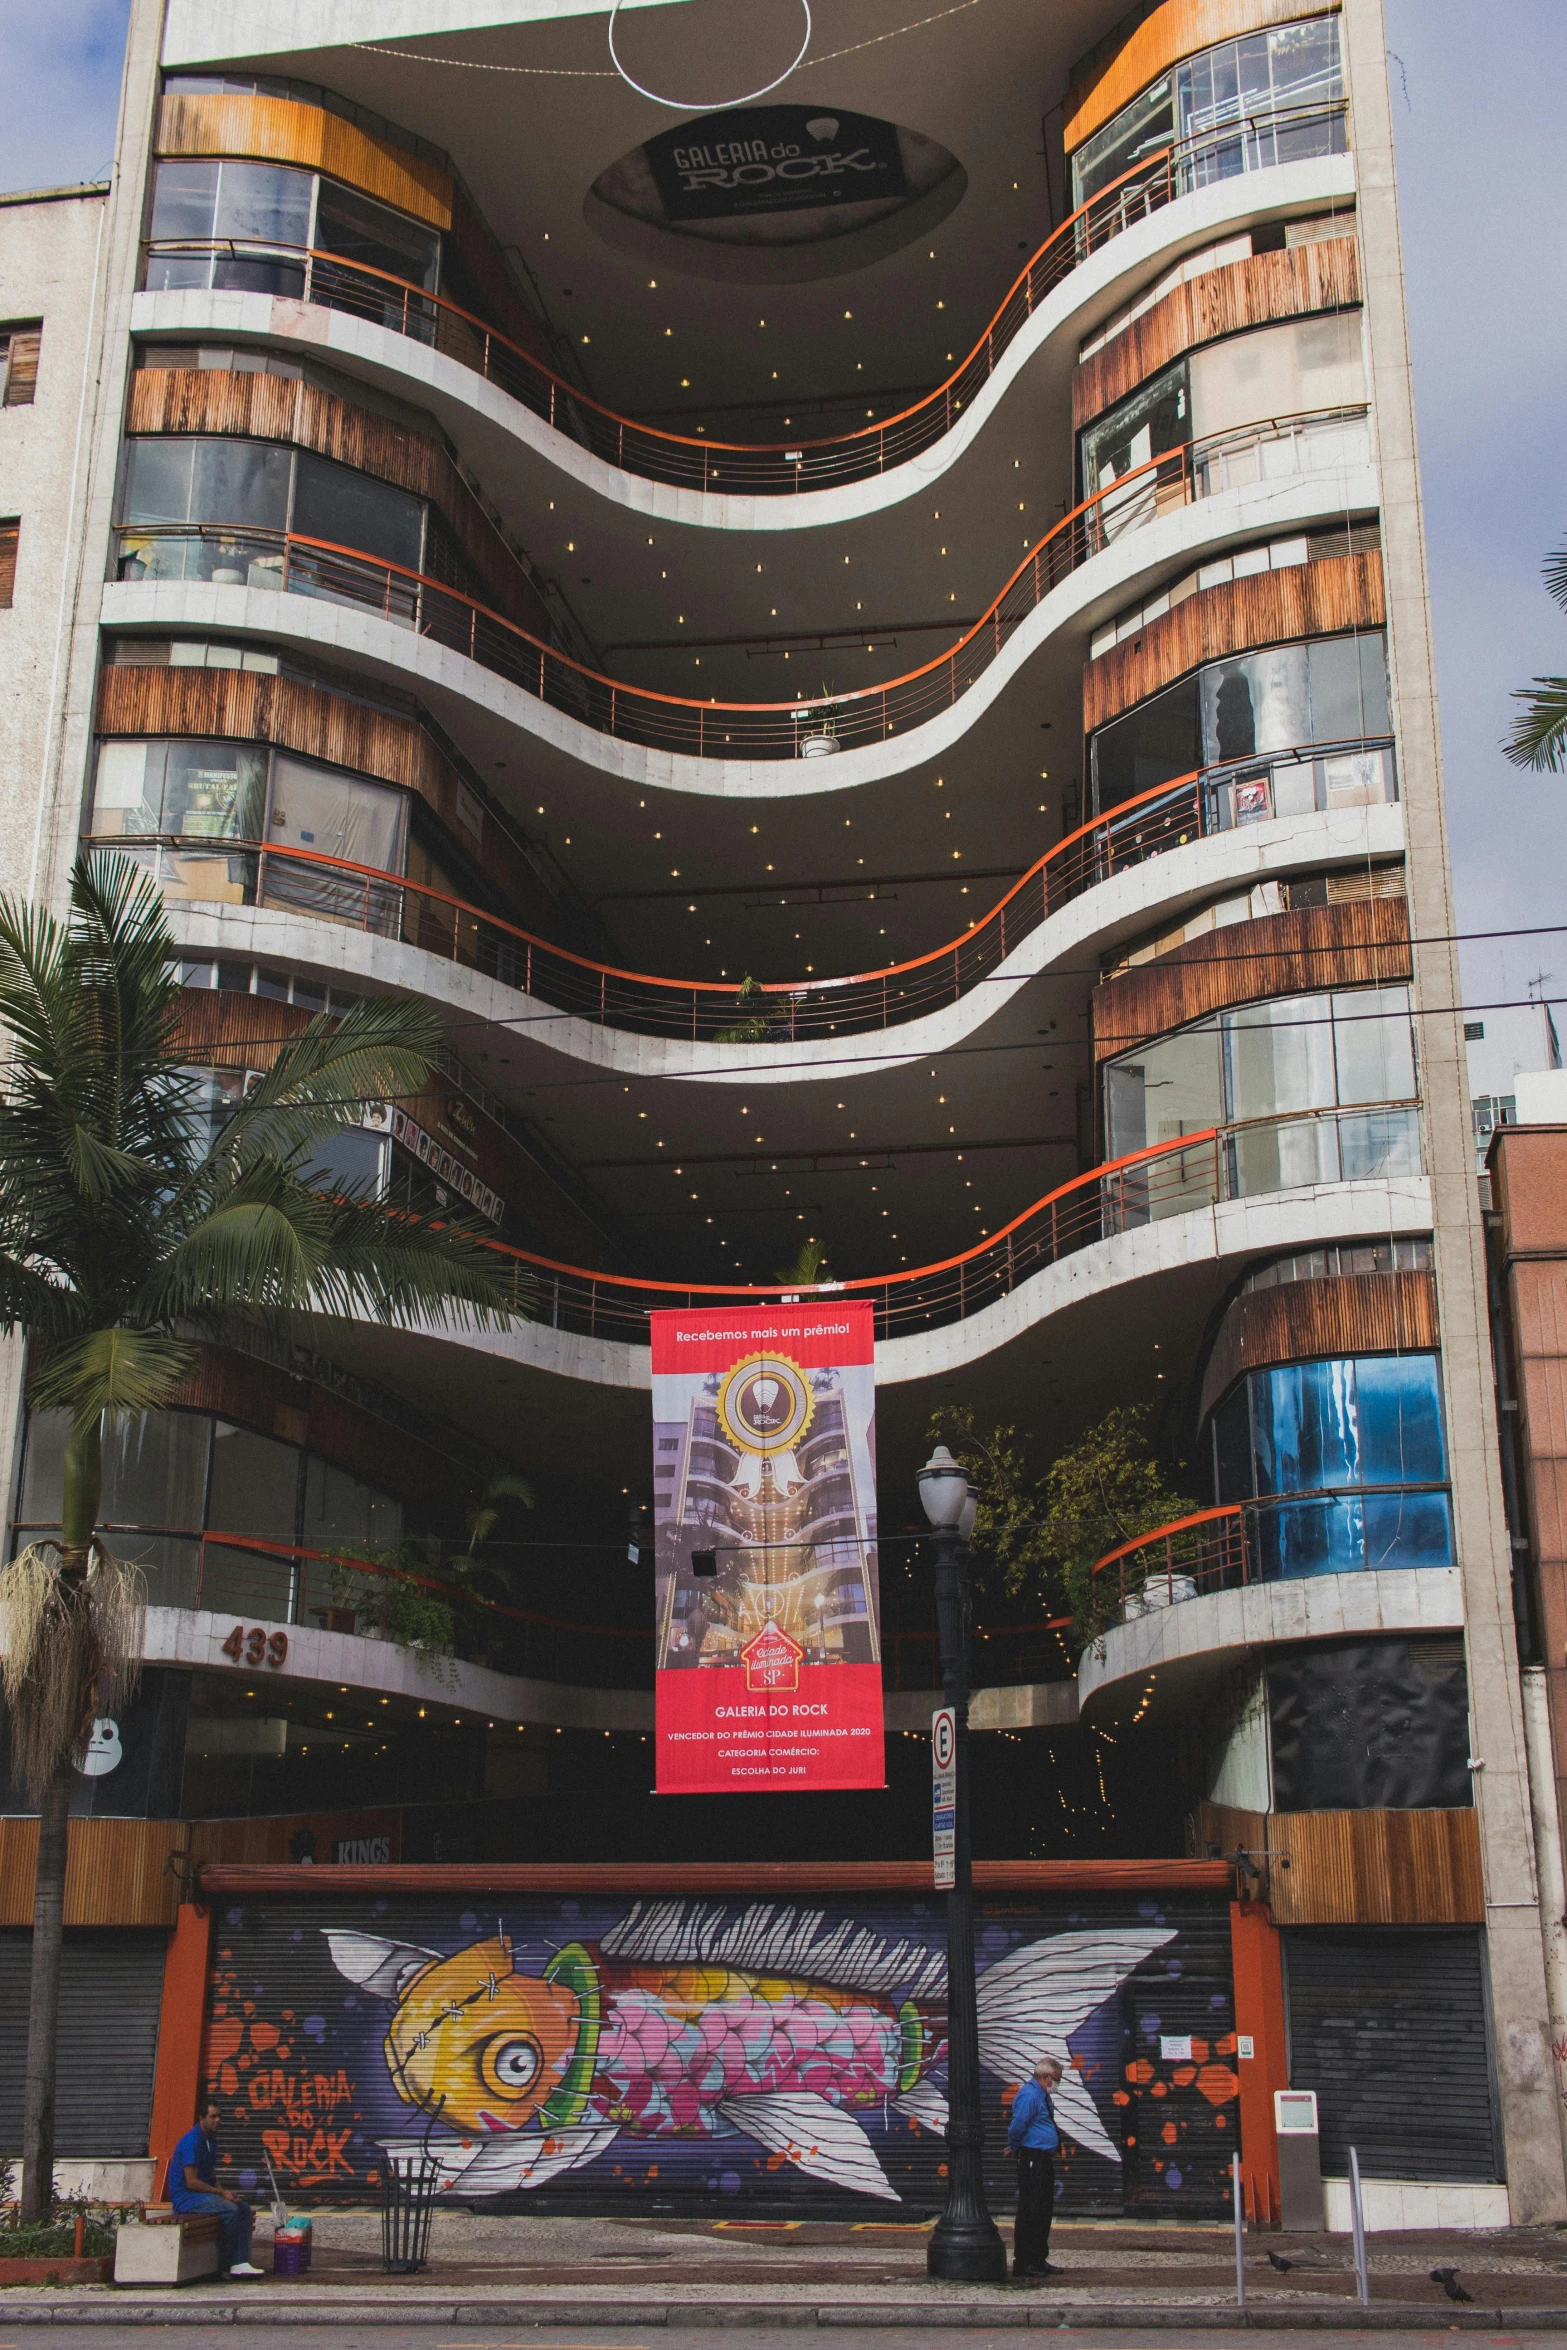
1400, 1420
1408, 1530
1311, 1538
1305, 1427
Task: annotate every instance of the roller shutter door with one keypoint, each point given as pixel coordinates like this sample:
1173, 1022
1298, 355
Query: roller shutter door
1392, 2032
111, 1989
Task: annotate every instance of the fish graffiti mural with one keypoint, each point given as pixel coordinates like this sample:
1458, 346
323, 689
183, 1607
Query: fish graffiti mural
684, 2022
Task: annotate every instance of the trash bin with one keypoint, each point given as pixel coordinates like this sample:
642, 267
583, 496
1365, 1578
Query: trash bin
408, 2189
288, 2252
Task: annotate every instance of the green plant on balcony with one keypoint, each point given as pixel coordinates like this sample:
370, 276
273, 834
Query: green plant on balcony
129, 1227
764, 1017
427, 1594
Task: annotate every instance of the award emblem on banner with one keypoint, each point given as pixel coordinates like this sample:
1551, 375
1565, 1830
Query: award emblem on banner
764, 1468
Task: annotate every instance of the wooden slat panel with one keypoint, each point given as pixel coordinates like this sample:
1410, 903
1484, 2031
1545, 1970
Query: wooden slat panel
1275, 608
21, 371
715, 1877
1180, 29
284, 130
115, 1872
243, 705
1360, 1868
1302, 1321
1296, 283
1358, 942
10, 535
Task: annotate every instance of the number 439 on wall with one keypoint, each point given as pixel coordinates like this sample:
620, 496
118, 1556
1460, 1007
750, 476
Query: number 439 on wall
256, 1646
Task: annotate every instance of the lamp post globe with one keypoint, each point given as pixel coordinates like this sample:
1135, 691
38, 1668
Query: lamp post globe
964, 2246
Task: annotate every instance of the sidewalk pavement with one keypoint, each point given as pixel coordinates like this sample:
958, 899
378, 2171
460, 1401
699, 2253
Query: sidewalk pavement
535, 2269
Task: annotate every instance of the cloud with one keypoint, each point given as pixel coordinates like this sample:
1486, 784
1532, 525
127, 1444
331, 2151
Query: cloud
60, 59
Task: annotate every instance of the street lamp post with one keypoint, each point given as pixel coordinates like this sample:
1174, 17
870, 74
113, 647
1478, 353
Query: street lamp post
965, 2245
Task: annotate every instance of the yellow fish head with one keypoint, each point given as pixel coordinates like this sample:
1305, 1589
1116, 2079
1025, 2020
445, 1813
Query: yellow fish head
478, 2044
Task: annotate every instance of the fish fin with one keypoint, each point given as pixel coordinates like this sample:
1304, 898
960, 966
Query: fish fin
816, 2137
1033, 1999
924, 2104
770, 1938
384, 1969
500, 2162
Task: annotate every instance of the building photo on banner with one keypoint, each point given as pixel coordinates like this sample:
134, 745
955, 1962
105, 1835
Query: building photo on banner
746, 699
768, 1657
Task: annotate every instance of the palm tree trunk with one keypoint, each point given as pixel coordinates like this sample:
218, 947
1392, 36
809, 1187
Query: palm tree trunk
44, 1998
78, 1518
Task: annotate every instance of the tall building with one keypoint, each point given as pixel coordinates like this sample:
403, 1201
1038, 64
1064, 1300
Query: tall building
487, 501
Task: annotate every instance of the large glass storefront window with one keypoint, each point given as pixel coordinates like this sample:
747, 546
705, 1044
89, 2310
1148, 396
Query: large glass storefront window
1263, 1070
1269, 97
1347, 1460
175, 1482
203, 204
1330, 690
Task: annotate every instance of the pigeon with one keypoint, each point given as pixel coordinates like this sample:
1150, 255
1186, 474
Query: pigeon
1447, 2278
1275, 2260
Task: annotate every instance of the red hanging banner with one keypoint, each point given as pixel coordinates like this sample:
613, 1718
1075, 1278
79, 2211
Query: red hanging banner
764, 1500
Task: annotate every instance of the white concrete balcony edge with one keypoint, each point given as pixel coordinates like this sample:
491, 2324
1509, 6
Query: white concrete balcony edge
1309, 1607
198, 31
1108, 581
493, 427
194, 1638
1129, 902
1266, 1225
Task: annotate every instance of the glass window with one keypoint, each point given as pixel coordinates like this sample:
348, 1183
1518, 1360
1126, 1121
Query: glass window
336, 814
1260, 702
1279, 1056
1312, 1538
1140, 129
1152, 419
199, 201
1348, 689
204, 789
255, 1483
1232, 1454
1165, 1090
350, 509
364, 231
1159, 740
1305, 1427
1373, 1041
1400, 1411
1379, 1142
237, 483
1408, 1530
343, 1514
155, 1469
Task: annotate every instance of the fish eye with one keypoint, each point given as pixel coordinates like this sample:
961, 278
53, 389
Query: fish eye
511, 2064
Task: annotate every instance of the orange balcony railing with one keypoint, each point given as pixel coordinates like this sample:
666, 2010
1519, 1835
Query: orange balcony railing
196, 867
1144, 1187
237, 555
1205, 1552
756, 469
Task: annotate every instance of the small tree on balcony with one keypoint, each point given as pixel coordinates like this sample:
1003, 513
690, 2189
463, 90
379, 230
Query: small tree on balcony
130, 1223
1539, 736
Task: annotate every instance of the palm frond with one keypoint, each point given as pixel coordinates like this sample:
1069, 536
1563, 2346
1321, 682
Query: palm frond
115, 1371
382, 1048
398, 1269
1554, 569
1539, 737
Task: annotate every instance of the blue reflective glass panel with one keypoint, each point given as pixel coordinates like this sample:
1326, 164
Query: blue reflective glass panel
1408, 1530
1400, 1420
1311, 1538
1305, 1428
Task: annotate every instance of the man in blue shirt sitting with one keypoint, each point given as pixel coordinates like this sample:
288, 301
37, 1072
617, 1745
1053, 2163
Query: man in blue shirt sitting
1032, 2136
193, 2187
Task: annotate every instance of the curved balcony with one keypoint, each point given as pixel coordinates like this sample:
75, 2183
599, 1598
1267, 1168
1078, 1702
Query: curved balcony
1190, 1644
1251, 468
769, 1013
1144, 1189
782, 470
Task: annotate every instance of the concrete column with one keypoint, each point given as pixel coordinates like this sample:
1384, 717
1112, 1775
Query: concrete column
1552, 1873
1537, 2180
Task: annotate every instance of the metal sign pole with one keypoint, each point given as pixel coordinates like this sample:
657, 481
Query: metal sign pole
1357, 2224
1240, 2236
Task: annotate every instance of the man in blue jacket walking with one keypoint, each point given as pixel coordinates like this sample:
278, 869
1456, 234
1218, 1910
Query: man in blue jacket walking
1033, 2137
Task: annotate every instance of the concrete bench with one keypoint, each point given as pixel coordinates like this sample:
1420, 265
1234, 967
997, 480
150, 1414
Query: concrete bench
164, 2249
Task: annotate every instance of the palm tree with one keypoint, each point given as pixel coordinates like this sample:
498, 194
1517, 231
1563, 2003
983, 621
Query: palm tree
1539, 737
129, 1223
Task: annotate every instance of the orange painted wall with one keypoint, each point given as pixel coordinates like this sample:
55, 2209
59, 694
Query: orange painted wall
1259, 2010
177, 2081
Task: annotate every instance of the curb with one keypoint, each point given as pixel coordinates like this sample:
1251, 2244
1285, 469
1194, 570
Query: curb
947, 2316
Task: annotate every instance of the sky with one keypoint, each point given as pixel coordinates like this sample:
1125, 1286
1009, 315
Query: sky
1477, 122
